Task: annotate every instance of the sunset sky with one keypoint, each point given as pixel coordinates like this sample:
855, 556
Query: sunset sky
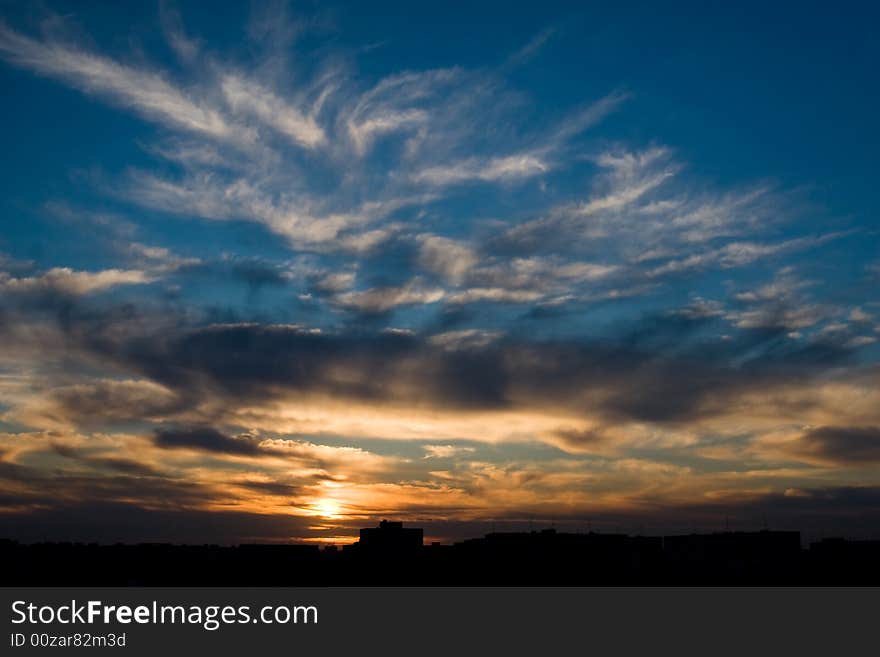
274, 272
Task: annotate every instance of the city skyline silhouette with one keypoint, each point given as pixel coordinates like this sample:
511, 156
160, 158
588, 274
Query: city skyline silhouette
394, 554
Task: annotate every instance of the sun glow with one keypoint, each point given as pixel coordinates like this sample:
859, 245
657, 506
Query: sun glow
327, 508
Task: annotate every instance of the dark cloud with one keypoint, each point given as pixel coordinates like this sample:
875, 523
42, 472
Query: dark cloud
631, 376
204, 438
112, 522
118, 464
661, 368
110, 402
15, 472
270, 487
32, 488
842, 445
581, 439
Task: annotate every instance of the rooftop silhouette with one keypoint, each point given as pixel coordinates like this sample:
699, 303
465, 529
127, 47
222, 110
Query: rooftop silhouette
391, 538
391, 554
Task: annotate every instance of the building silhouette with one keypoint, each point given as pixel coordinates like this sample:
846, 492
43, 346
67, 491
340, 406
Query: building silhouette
392, 554
391, 538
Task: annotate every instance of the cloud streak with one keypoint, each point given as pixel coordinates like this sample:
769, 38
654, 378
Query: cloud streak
146, 92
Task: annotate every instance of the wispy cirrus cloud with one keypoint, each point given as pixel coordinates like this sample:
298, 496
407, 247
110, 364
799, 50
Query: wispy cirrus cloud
146, 92
248, 97
394, 104
512, 167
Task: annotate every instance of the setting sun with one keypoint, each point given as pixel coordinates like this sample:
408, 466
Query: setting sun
327, 508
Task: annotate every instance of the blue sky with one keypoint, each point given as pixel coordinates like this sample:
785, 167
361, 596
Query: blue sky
463, 262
